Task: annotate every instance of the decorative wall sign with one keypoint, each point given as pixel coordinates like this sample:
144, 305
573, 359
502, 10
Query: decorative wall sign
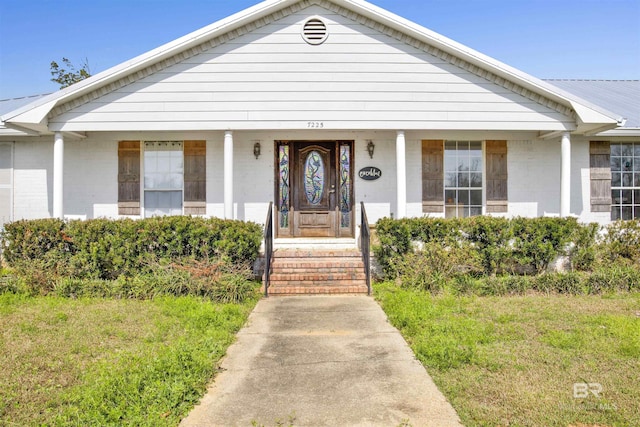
370, 173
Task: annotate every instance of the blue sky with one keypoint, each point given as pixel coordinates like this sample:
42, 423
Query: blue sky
588, 39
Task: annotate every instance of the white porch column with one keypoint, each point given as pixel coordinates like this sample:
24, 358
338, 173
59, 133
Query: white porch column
228, 174
401, 169
58, 175
565, 175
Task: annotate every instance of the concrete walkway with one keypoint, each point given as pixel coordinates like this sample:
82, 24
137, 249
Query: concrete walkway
325, 361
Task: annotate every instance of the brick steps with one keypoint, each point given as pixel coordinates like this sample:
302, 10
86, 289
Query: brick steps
319, 290
319, 271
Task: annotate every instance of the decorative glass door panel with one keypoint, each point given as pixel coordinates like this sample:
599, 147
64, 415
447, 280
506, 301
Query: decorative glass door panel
314, 188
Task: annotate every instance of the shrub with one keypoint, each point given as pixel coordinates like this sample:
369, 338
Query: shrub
432, 265
614, 278
34, 239
106, 249
38, 276
394, 238
584, 251
538, 241
572, 283
217, 281
434, 229
134, 259
502, 245
505, 285
239, 241
9, 283
621, 242
232, 288
490, 236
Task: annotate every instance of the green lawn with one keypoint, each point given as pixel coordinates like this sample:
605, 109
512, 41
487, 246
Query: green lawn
109, 362
501, 361
513, 361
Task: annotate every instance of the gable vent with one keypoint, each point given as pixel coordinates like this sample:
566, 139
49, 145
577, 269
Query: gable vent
314, 31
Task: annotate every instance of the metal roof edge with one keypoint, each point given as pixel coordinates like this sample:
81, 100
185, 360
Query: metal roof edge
619, 132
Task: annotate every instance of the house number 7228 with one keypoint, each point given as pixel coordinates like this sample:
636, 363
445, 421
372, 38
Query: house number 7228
318, 125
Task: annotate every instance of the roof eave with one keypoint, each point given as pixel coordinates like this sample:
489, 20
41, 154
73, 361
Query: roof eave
620, 132
586, 114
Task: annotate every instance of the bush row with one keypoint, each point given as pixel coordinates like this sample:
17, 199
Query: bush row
497, 244
425, 253
107, 249
220, 282
602, 280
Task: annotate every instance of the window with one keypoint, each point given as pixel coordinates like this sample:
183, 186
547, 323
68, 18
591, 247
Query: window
625, 180
456, 180
175, 178
462, 178
163, 178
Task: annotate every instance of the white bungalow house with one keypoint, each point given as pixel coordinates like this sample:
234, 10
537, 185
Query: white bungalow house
316, 105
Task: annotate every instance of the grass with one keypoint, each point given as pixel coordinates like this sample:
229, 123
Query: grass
513, 361
109, 362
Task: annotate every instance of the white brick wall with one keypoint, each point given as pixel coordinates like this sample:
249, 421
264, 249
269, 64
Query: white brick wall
33, 161
6, 182
534, 178
215, 176
253, 187
91, 173
91, 178
379, 196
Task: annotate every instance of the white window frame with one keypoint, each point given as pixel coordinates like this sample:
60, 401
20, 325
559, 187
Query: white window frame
144, 189
483, 178
635, 178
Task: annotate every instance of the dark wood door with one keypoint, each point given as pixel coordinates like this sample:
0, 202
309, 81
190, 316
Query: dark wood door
314, 189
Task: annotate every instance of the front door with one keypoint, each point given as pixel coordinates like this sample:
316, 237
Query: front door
315, 191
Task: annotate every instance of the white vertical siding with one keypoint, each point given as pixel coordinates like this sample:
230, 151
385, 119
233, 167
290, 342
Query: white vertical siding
272, 79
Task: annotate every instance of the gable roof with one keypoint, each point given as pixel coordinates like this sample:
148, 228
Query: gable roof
590, 118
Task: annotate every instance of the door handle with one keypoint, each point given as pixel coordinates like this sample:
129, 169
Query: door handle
333, 189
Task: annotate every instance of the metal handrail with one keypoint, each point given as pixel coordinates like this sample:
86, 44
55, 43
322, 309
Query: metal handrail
268, 249
365, 245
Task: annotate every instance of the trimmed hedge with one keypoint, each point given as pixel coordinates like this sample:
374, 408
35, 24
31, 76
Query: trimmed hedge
497, 256
501, 245
107, 249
